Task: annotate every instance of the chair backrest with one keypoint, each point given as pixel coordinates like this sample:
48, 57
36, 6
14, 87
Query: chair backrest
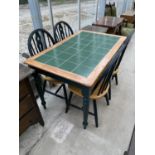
125, 44
39, 40
105, 78
62, 30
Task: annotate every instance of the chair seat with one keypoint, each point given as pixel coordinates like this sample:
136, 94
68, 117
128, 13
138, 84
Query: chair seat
52, 80
93, 96
125, 31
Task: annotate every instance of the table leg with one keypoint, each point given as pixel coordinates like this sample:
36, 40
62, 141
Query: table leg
120, 27
85, 92
38, 83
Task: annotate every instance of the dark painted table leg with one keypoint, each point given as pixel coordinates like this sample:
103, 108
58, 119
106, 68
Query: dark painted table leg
39, 87
85, 92
66, 98
120, 28
41, 121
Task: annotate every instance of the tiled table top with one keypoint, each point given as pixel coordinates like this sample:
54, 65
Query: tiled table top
80, 54
78, 57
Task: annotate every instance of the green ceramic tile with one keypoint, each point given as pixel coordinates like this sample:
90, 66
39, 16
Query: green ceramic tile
102, 51
108, 49
78, 45
90, 63
42, 58
52, 54
97, 42
114, 39
76, 59
109, 37
93, 45
68, 66
86, 41
83, 70
62, 47
84, 53
108, 46
111, 41
74, 39
64, 56
91, 48
68, 43
71, 51
95, 56
55, 62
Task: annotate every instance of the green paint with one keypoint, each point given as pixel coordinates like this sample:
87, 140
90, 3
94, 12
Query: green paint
81, 53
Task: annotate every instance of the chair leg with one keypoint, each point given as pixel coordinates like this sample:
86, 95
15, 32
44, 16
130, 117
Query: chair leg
44, 86
70, 97
107, 99
95, 113
109, 91
116, 79
66, 98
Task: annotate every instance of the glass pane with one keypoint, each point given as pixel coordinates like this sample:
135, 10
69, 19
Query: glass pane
88, 12
121, 5
25, 28
66, 10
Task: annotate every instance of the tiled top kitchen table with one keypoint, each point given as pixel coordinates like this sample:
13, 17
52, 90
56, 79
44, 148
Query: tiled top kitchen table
78, 60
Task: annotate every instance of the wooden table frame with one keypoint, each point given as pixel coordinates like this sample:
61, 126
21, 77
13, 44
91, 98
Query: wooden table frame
85, 84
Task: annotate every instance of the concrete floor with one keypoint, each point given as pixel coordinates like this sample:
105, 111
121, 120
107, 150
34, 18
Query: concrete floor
63, 134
